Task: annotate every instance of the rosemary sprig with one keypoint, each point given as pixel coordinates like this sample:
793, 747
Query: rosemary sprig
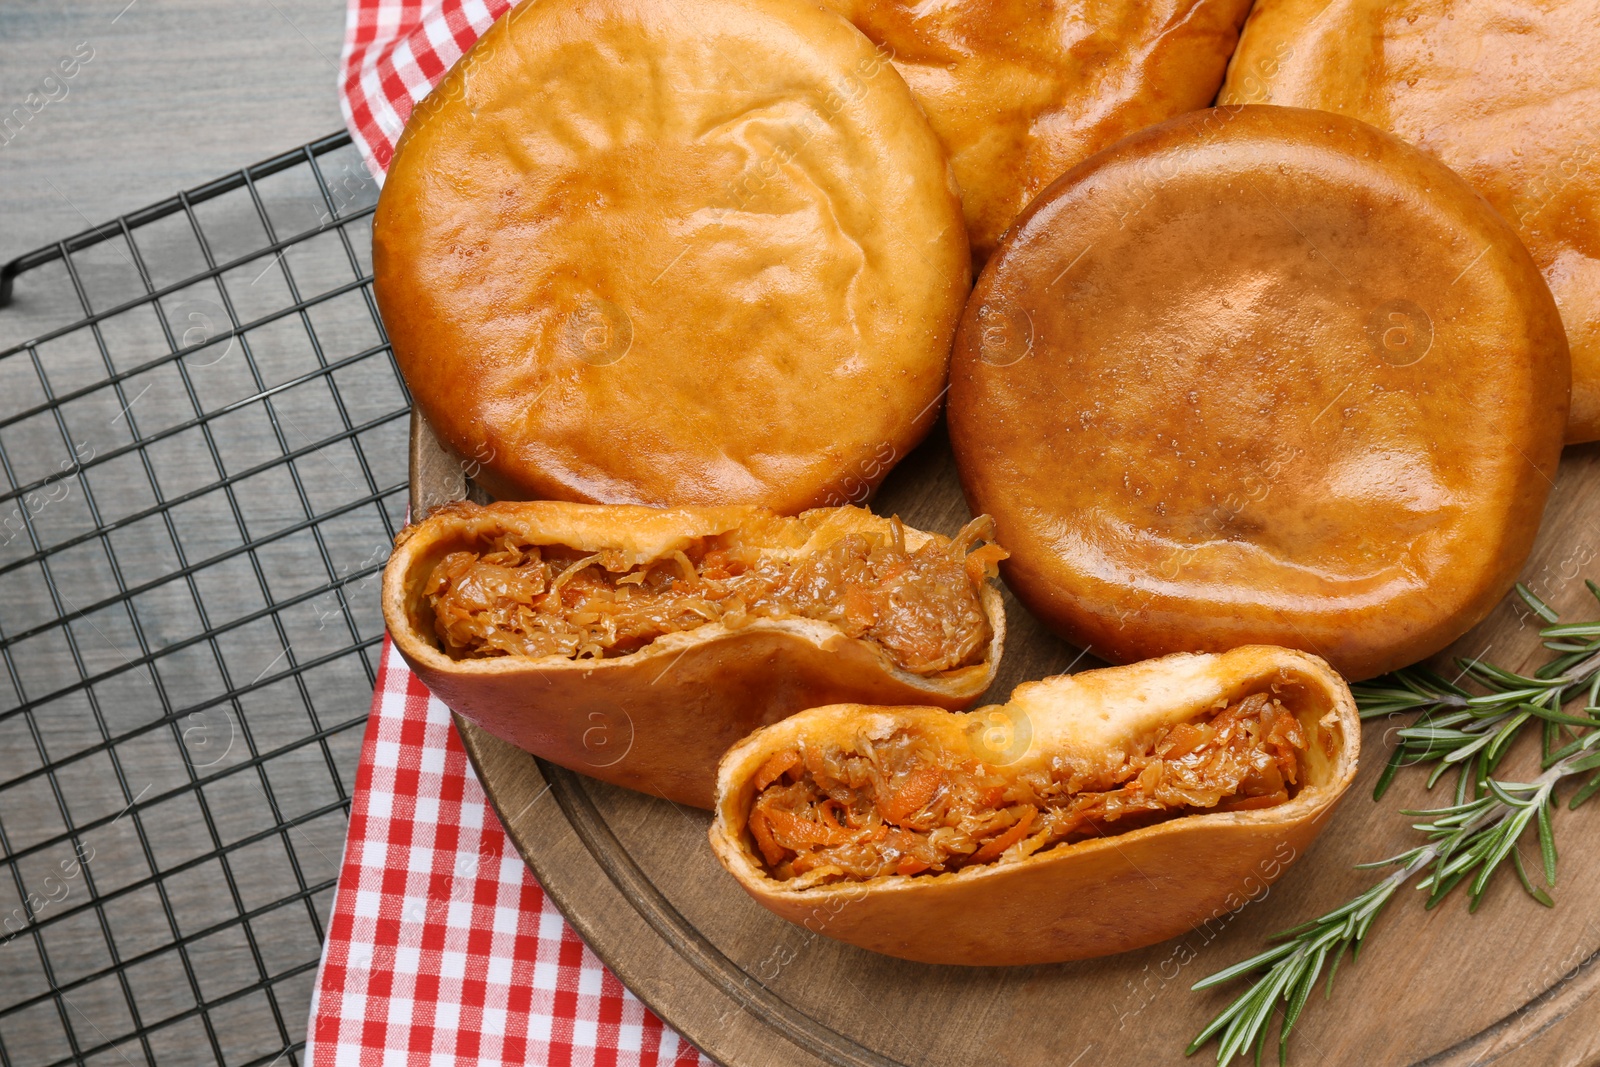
1470, 839
1471, 732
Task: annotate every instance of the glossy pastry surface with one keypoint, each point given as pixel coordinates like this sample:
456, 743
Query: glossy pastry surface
1261, 375
699, 252
1019, 90
1506, 94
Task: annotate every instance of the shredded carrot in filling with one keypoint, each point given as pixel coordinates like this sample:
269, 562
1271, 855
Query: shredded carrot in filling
904, 806
517, 599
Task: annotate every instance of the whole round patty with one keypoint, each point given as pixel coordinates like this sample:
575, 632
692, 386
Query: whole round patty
1261, 375
673, 252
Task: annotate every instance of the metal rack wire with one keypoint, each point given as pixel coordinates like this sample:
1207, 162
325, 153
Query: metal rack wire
203, 446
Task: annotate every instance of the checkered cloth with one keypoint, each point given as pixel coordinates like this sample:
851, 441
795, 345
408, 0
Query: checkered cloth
442, 948
395, 51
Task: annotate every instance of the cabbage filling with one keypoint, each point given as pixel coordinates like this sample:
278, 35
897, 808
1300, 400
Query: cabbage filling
906, 806
513, 598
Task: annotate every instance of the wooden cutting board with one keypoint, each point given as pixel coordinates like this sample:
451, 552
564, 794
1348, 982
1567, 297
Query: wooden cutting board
1512, 984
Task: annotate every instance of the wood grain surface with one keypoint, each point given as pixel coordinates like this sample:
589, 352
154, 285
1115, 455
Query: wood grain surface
177, 92
1512, 984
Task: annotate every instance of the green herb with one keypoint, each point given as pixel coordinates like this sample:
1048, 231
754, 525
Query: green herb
1465, 842
1472, 732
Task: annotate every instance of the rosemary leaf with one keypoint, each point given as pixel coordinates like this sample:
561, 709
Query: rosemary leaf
1540, 608
1548, 715
1547, 843
1584, 763
1533, 891
1589, 789
1397, 759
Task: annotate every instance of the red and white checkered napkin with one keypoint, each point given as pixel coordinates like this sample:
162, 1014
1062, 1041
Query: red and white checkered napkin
395, 51
442, 949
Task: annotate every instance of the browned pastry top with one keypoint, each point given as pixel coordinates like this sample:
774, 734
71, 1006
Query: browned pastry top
1265, 375
1508, 95
1020, 90
672, 251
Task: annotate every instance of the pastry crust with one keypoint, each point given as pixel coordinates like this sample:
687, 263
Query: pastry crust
1020, 91
1076, 900
658, 719
1507, 96
686, 252
1261, 375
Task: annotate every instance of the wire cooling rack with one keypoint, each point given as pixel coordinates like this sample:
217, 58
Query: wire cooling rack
203, 447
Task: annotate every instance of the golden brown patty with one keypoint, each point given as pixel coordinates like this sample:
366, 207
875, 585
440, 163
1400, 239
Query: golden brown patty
659, 717
1020, 90
1507, 94
673, 251
1267, 375
1126, 886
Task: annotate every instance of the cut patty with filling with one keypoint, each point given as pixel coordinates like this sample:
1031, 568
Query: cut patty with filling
904, 805
921, 606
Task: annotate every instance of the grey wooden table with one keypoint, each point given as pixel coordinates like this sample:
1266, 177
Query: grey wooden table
176, 92
143, 874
